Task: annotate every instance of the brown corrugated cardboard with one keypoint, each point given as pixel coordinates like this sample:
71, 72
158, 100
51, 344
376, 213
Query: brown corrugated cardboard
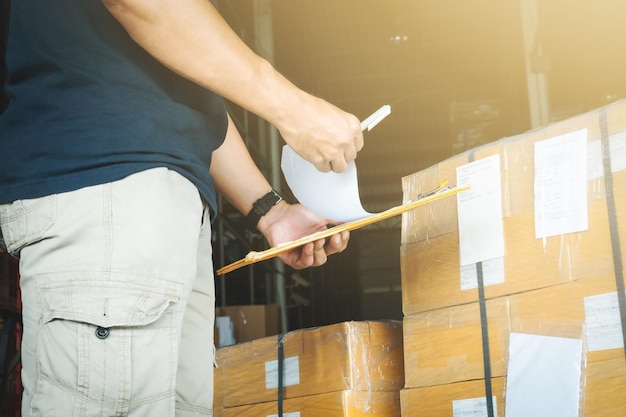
517, 170
251, 322
430, 250
218, 390
364, 356
532, 311
334, 404
445, 346
431, 270
549, 282
605, 386
451, 399
441, 216
565, 305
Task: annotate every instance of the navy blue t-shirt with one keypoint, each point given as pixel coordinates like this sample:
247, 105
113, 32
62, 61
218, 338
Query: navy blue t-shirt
87, 106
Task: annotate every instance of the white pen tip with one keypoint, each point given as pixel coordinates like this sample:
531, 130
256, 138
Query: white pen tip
376, 117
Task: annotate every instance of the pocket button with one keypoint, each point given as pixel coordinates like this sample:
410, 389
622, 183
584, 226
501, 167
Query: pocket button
102, 332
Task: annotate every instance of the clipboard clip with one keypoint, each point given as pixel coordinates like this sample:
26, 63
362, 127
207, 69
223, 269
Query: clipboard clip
442, 187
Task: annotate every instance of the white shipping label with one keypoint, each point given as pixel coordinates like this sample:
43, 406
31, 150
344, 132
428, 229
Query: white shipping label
295, 414
291, 372
617, 145
561, 185
480, 211
595, 164
543, 376
603, 323
595, 167
493, 273
473, 407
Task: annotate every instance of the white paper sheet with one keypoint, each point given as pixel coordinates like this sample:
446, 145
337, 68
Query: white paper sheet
331, 195
480, 211
603, 322
473, 407
291, 372
493, 273
617, 145
543, 378
561, 185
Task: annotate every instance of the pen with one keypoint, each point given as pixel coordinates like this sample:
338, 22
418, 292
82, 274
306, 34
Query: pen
376, 117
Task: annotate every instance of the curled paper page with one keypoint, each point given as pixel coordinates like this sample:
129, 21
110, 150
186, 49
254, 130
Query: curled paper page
331, 195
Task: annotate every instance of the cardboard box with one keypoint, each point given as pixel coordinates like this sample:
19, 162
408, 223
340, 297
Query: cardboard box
517, 171
605, 386
251, 322
333, 404
359, 356
437, 218
552, 285
564, 307
445, 346
218, 389
461, 399
567, 305
431, 271
430, 266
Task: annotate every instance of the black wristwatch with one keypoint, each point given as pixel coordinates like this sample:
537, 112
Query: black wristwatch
260, 209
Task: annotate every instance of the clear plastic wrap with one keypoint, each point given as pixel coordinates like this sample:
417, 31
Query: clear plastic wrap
562, 285
357, 356
432, 276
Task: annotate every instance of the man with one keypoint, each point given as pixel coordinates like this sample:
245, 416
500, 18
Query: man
113, 144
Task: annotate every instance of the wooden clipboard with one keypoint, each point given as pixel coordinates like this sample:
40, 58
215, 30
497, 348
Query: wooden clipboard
252, 257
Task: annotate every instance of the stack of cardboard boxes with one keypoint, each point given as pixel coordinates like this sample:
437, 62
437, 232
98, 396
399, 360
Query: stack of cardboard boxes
350, 369
243, 323
561, 285
542, 319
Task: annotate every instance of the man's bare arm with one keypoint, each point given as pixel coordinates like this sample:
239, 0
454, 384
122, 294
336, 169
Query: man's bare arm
192, 39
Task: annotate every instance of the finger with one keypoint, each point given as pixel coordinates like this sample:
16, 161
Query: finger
359, 142
324, 166
301, 259
350, 155
337, 243
339, 165
358, 133
319, 253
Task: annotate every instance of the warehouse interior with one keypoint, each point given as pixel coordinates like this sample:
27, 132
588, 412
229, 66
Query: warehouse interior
458, 76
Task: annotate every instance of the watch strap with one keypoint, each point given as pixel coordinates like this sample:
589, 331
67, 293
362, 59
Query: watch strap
260, 208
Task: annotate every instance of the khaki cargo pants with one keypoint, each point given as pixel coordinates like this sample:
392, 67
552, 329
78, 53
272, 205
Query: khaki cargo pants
118, 299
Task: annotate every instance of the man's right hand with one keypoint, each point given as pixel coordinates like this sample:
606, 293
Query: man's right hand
321, 133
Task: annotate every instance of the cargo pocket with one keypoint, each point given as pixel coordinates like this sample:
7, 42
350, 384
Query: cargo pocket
106, 344
26, 221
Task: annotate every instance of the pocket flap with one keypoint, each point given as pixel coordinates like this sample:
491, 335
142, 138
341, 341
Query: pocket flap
107, 304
